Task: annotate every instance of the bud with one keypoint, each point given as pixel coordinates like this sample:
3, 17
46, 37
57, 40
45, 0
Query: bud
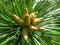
18, 20
37, 21
27, 20
25, 34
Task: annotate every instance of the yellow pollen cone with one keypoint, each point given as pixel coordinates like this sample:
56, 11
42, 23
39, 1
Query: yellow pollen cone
32, 28
40, 29
37, 21
26, 11
18, 20
25, 34
32, 18
27, 20
35, 13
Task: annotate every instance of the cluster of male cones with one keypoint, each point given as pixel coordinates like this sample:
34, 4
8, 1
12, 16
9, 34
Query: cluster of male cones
29, 23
